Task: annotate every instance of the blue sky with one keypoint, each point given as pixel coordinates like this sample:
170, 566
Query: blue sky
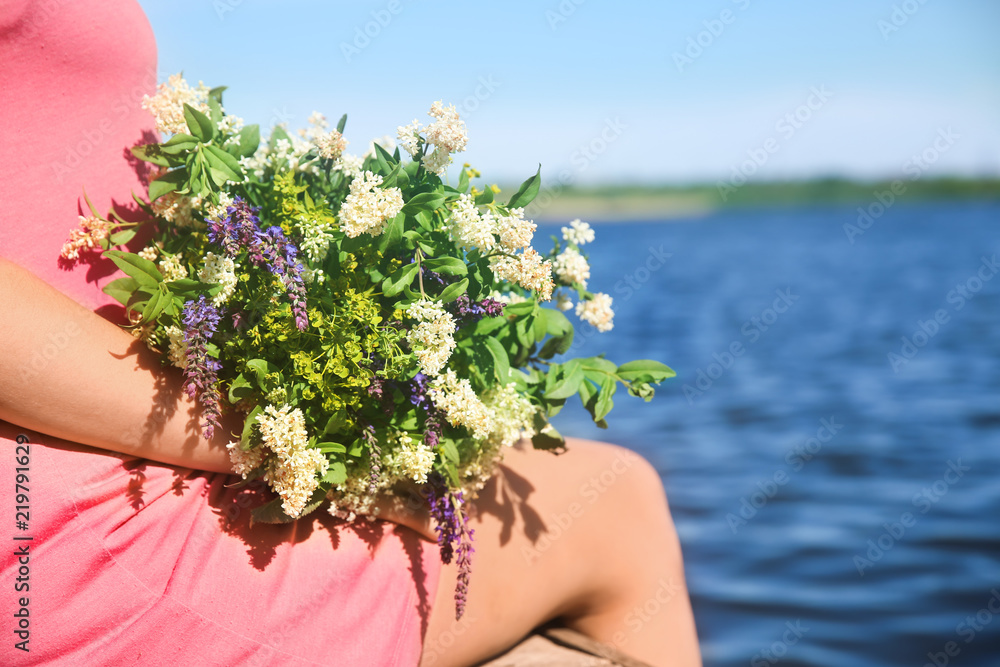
621, 91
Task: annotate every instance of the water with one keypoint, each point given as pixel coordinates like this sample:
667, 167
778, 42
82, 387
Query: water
775, 512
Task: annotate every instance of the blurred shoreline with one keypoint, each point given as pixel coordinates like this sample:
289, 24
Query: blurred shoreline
616, 203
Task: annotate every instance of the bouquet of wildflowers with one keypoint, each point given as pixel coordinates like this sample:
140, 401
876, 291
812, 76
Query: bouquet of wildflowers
382, 330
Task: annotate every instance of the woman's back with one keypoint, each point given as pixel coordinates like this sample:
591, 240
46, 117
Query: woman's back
133, 562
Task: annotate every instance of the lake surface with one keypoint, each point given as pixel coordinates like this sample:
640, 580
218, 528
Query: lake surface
836, 506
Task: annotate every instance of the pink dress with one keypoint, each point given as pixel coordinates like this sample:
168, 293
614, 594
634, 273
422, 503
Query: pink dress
132, 562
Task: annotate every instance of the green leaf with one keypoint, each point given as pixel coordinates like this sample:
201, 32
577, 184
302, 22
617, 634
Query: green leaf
270, 512
425, 200
392, 234
179, 143
249, 140
485, 197
385, 160
215, 109
600, 365
187, 286
450, 451
556, 345
643, 390
143, 270
168, 182
551, 439
341, 123
463, 180
400, 279
336, 473
121, 290
501, 363
239, 389
453, 291
201, 126
588, 396
335, 425
569, 382
604, 402
527, 192
556, 324
154, 306
261, 368
216, 93
450, 266
645, 370
523, 308
122, 237
331, 447
248, 423
150, 153
538, 327
390, 180
226, 162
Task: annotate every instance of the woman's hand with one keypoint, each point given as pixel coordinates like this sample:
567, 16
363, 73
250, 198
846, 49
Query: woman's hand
67, 372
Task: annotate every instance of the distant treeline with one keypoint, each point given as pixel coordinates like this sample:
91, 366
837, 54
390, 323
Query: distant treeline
653, 200
827, 190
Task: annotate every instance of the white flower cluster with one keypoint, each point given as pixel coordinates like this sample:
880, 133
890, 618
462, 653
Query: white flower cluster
230, 124
515, 232
172, 269
432, 339
509, 298
597, 311
447, 135
469, 228
330, 145
245, 462
295, 470
219, 211
578, 232
149, 253
527, 270
292, 150
177, 348
472, 229
87, 236
513, 415
349, 165
222, 270
460, 405
412, 459
563, 302
448, 131
182, 211
316, 238
167, 105
571, 267
409, 137
368, 208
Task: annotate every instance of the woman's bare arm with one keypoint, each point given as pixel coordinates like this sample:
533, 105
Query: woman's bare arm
67, 372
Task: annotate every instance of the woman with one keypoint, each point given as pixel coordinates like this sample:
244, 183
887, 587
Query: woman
136, 556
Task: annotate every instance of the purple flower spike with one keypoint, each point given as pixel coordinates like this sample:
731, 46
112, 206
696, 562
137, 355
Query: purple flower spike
451, 519
465, 552
280, 258
240, 230
467, 311
201, 319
